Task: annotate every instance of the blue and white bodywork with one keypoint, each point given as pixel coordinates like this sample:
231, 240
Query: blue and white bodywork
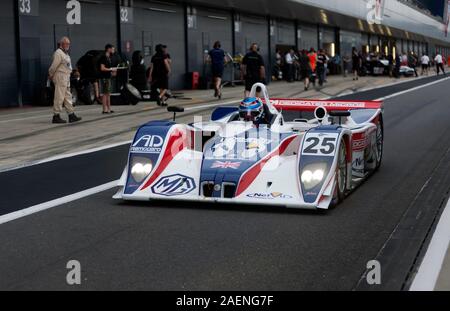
309, 155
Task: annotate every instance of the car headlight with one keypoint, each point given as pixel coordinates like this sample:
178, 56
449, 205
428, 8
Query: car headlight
141, 168
313, 175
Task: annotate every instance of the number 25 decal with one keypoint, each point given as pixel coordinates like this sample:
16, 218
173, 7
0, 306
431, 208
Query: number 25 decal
320, 144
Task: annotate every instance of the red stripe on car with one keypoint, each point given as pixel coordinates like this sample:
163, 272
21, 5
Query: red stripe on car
171, 151
253, 172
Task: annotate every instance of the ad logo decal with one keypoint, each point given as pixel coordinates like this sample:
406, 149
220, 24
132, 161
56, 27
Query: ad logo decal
148, 144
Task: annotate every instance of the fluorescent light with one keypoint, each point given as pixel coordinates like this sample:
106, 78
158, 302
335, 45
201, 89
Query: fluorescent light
162, 10
217, 17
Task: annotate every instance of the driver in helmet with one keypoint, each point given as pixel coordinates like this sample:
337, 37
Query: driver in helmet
253, 110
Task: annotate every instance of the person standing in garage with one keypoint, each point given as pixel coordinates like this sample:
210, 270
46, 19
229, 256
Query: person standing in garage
159, 73
106, 71
59, 72
217, 59
253, 70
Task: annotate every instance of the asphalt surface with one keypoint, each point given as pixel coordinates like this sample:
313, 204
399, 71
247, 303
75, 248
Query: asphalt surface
148, 246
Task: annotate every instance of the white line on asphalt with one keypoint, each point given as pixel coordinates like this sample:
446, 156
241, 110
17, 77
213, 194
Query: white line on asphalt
212, 105
430, 268
68, 155
64, 200
370, 88
413, 89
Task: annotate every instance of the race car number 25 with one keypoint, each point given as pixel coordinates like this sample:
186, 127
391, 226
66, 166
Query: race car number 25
320, 144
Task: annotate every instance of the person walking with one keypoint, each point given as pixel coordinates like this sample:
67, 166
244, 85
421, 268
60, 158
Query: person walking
217, 60
321, 66
305, 68
439, 64
253, 69
312, 56
106, 72
356, 63
159, 73
425, 61
59, 72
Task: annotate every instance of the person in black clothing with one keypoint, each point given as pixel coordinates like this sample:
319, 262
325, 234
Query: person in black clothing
159, 73
305, 68
253, 70
390, 58
356, 63
321, 62
106, 71
398, 64
138, 72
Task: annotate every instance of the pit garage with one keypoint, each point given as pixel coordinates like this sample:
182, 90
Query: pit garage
90, 25
206, 26
252, 29
8, 74
151, 27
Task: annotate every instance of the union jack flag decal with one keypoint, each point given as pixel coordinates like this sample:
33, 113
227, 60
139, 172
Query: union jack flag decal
226, 164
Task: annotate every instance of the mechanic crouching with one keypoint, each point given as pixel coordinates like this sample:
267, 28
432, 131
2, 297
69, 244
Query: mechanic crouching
59, 72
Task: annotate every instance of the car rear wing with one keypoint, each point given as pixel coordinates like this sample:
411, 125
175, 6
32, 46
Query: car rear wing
330, 105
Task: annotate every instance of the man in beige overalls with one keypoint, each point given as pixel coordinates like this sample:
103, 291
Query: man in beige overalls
59, 72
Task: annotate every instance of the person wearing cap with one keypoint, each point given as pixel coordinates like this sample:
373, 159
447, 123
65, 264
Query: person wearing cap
59, 72
160, 69
106, 71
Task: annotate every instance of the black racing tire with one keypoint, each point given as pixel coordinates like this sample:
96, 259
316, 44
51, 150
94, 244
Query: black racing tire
341, 175
379, 144
74, 93
131, 94
88, 94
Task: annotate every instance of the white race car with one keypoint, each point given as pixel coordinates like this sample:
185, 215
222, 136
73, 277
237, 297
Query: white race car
310, 154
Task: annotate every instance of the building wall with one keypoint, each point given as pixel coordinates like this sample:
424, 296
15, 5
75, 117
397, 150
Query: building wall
8, 72
189, 28
157, 23
40, 32
207, 27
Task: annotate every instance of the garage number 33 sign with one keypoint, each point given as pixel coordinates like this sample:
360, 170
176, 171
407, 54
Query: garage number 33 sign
73, 7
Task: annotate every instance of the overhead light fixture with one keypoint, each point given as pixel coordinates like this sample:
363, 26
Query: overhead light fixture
162, 10
217, 17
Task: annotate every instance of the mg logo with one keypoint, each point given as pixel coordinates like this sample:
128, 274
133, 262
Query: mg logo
174, 185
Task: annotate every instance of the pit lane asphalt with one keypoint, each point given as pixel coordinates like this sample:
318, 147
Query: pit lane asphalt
208, 247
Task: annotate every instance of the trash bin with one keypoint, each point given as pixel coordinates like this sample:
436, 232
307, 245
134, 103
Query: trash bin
193, 80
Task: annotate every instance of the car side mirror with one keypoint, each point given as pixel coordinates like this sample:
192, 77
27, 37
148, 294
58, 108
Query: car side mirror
175, 110
339, 114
